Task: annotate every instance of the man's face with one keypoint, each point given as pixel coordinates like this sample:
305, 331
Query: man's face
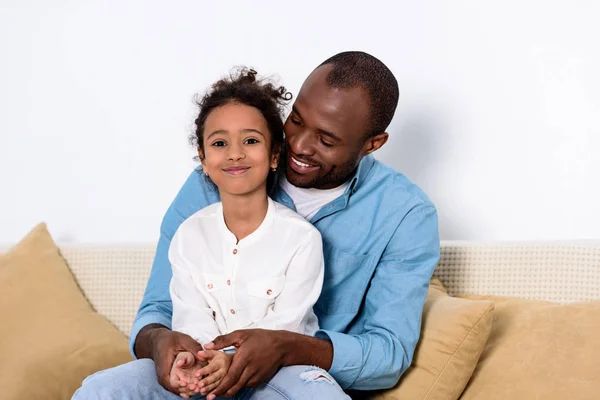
325, 133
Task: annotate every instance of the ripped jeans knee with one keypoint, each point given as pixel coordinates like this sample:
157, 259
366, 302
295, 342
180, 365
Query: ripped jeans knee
316, 374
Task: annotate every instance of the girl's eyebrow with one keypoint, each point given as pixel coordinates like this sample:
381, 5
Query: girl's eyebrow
224, 131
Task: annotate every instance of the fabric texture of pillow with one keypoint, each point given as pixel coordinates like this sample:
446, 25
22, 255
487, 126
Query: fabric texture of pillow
50, 337
453, 335
539, 350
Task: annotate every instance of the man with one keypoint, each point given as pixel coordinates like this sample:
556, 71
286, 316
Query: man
381, 244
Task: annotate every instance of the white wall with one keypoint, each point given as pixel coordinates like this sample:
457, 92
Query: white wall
499, 118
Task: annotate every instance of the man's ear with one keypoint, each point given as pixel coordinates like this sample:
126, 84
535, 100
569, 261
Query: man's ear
375, 143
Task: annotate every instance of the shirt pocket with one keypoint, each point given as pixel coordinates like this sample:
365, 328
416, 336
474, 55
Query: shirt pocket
345, 282
214, 283
262, 294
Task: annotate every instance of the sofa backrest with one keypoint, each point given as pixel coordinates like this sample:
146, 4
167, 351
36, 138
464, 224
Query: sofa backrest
114, 277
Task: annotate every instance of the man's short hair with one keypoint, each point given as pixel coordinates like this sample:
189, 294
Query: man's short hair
359, 69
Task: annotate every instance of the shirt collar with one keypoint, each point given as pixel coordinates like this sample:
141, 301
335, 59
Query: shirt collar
364, 167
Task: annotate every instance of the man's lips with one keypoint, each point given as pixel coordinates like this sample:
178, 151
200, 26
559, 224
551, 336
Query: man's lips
236, 170
301, 167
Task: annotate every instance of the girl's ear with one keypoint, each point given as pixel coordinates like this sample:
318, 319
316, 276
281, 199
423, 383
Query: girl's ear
275, 154
202, 160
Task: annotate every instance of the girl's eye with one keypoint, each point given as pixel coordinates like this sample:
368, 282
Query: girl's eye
295, 121
218, 143
251, 141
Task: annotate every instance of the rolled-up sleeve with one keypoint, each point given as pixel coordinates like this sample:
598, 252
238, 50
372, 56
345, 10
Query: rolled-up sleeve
379, 347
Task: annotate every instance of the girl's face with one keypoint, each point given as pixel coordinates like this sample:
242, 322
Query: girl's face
237, 149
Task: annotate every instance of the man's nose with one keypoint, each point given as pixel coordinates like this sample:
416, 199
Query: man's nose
301, 143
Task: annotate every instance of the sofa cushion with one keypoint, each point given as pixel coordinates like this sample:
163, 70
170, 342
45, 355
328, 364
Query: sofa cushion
453, 335
51, 338
539, 350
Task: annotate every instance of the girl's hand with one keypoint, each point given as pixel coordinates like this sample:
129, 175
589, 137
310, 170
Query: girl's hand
183, 378
211, 375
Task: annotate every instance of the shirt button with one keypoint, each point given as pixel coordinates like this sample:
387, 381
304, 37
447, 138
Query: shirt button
232, 311
234, 251
210, 286
228, 282
269, 292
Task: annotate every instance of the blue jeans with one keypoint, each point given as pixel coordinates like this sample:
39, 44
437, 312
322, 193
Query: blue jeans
136, 380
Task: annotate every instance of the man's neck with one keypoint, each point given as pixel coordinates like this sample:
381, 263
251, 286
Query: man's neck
243, 214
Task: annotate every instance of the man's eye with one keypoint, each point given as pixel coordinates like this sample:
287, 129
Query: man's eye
295, 121
251, 141
218, 143
326, 143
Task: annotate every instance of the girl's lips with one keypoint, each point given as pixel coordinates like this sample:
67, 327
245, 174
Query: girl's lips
236, 170
301, 167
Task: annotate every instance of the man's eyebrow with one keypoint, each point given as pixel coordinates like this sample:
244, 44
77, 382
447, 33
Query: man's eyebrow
322, 131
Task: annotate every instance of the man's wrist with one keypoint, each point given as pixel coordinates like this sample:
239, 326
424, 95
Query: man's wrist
144, 342
298, 349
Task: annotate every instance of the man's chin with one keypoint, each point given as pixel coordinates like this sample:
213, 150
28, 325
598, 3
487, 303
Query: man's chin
301, 181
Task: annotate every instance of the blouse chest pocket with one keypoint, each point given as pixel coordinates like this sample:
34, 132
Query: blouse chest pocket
215, 282
262, 294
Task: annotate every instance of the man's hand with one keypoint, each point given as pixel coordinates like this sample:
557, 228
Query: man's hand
259, 355
162, 345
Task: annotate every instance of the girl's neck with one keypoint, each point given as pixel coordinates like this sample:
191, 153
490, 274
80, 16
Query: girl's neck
243, 214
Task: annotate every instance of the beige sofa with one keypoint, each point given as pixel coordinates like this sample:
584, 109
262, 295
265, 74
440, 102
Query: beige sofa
113, 278
538, 343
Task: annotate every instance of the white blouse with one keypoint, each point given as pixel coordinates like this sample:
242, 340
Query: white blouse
271, 279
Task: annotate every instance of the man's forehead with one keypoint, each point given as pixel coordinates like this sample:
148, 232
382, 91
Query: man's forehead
339, 104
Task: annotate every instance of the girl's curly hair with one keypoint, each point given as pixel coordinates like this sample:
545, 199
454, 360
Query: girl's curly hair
243, 86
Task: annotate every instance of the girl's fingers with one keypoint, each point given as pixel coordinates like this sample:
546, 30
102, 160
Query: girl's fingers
210, 380
209, 369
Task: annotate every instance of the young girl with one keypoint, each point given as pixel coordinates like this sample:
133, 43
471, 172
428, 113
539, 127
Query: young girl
245, 262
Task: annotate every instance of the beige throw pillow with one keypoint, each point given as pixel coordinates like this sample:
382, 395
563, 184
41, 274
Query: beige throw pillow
50, 337
539, 350
453, 335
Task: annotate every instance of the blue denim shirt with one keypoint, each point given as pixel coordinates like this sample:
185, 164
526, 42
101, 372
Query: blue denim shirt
381, 245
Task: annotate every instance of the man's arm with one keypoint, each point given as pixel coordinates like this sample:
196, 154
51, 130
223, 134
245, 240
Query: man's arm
151, 336
156, 307
380, 344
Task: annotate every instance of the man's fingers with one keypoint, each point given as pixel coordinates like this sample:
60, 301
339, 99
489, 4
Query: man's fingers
241, 383
163, 373
220, 342
188, 344
207, 355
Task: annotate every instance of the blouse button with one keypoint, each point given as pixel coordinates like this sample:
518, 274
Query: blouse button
228, 282
232, 311
234, 251
210, 286
269, 292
